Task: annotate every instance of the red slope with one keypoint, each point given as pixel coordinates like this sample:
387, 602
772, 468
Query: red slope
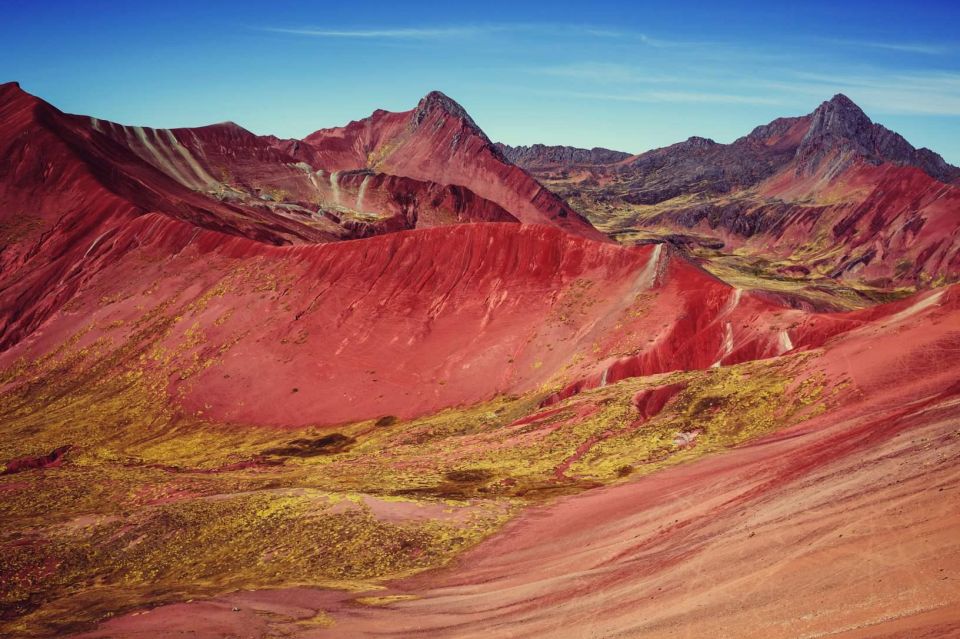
842, 526
65, 190
252, 175
52, 210
133, 164
437, 141
413, 322
67, 183
428, 318
774, 539
893, 222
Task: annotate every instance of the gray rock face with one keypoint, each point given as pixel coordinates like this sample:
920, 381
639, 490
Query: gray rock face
541, 155
699, 165
438, 101
841, 130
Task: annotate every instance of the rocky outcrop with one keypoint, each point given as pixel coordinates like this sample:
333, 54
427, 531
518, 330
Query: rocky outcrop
540, 156
51, 460
839, 131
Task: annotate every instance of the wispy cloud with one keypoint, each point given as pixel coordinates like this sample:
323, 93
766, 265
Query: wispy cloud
720, 98
403, 34
879, 91
438, 32
666, 70
690, 97
445, 32
600, 72
602, 33
903, 47
660, 43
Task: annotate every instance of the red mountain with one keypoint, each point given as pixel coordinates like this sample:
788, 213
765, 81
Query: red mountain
829, 192
438, 318
67, 184
439, 142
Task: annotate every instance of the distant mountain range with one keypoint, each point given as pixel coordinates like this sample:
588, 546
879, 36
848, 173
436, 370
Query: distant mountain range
830, 191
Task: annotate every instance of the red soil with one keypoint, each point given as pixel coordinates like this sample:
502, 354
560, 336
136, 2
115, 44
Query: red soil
903, 218
51, 460
410, 323
841, 526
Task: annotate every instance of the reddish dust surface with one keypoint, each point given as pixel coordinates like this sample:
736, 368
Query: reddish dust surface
843, 526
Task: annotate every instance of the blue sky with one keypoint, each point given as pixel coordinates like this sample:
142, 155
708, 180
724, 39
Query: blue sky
629, 76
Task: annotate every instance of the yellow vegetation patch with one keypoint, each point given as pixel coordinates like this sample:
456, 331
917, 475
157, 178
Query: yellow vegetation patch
384, 600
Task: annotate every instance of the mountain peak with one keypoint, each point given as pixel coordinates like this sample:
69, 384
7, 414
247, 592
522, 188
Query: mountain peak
13, 96
440, 99
841, 100
697, 142
436, 101
10, 89
840, 116
839, 126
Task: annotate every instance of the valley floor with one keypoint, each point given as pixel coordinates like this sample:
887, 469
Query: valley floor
836, 528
